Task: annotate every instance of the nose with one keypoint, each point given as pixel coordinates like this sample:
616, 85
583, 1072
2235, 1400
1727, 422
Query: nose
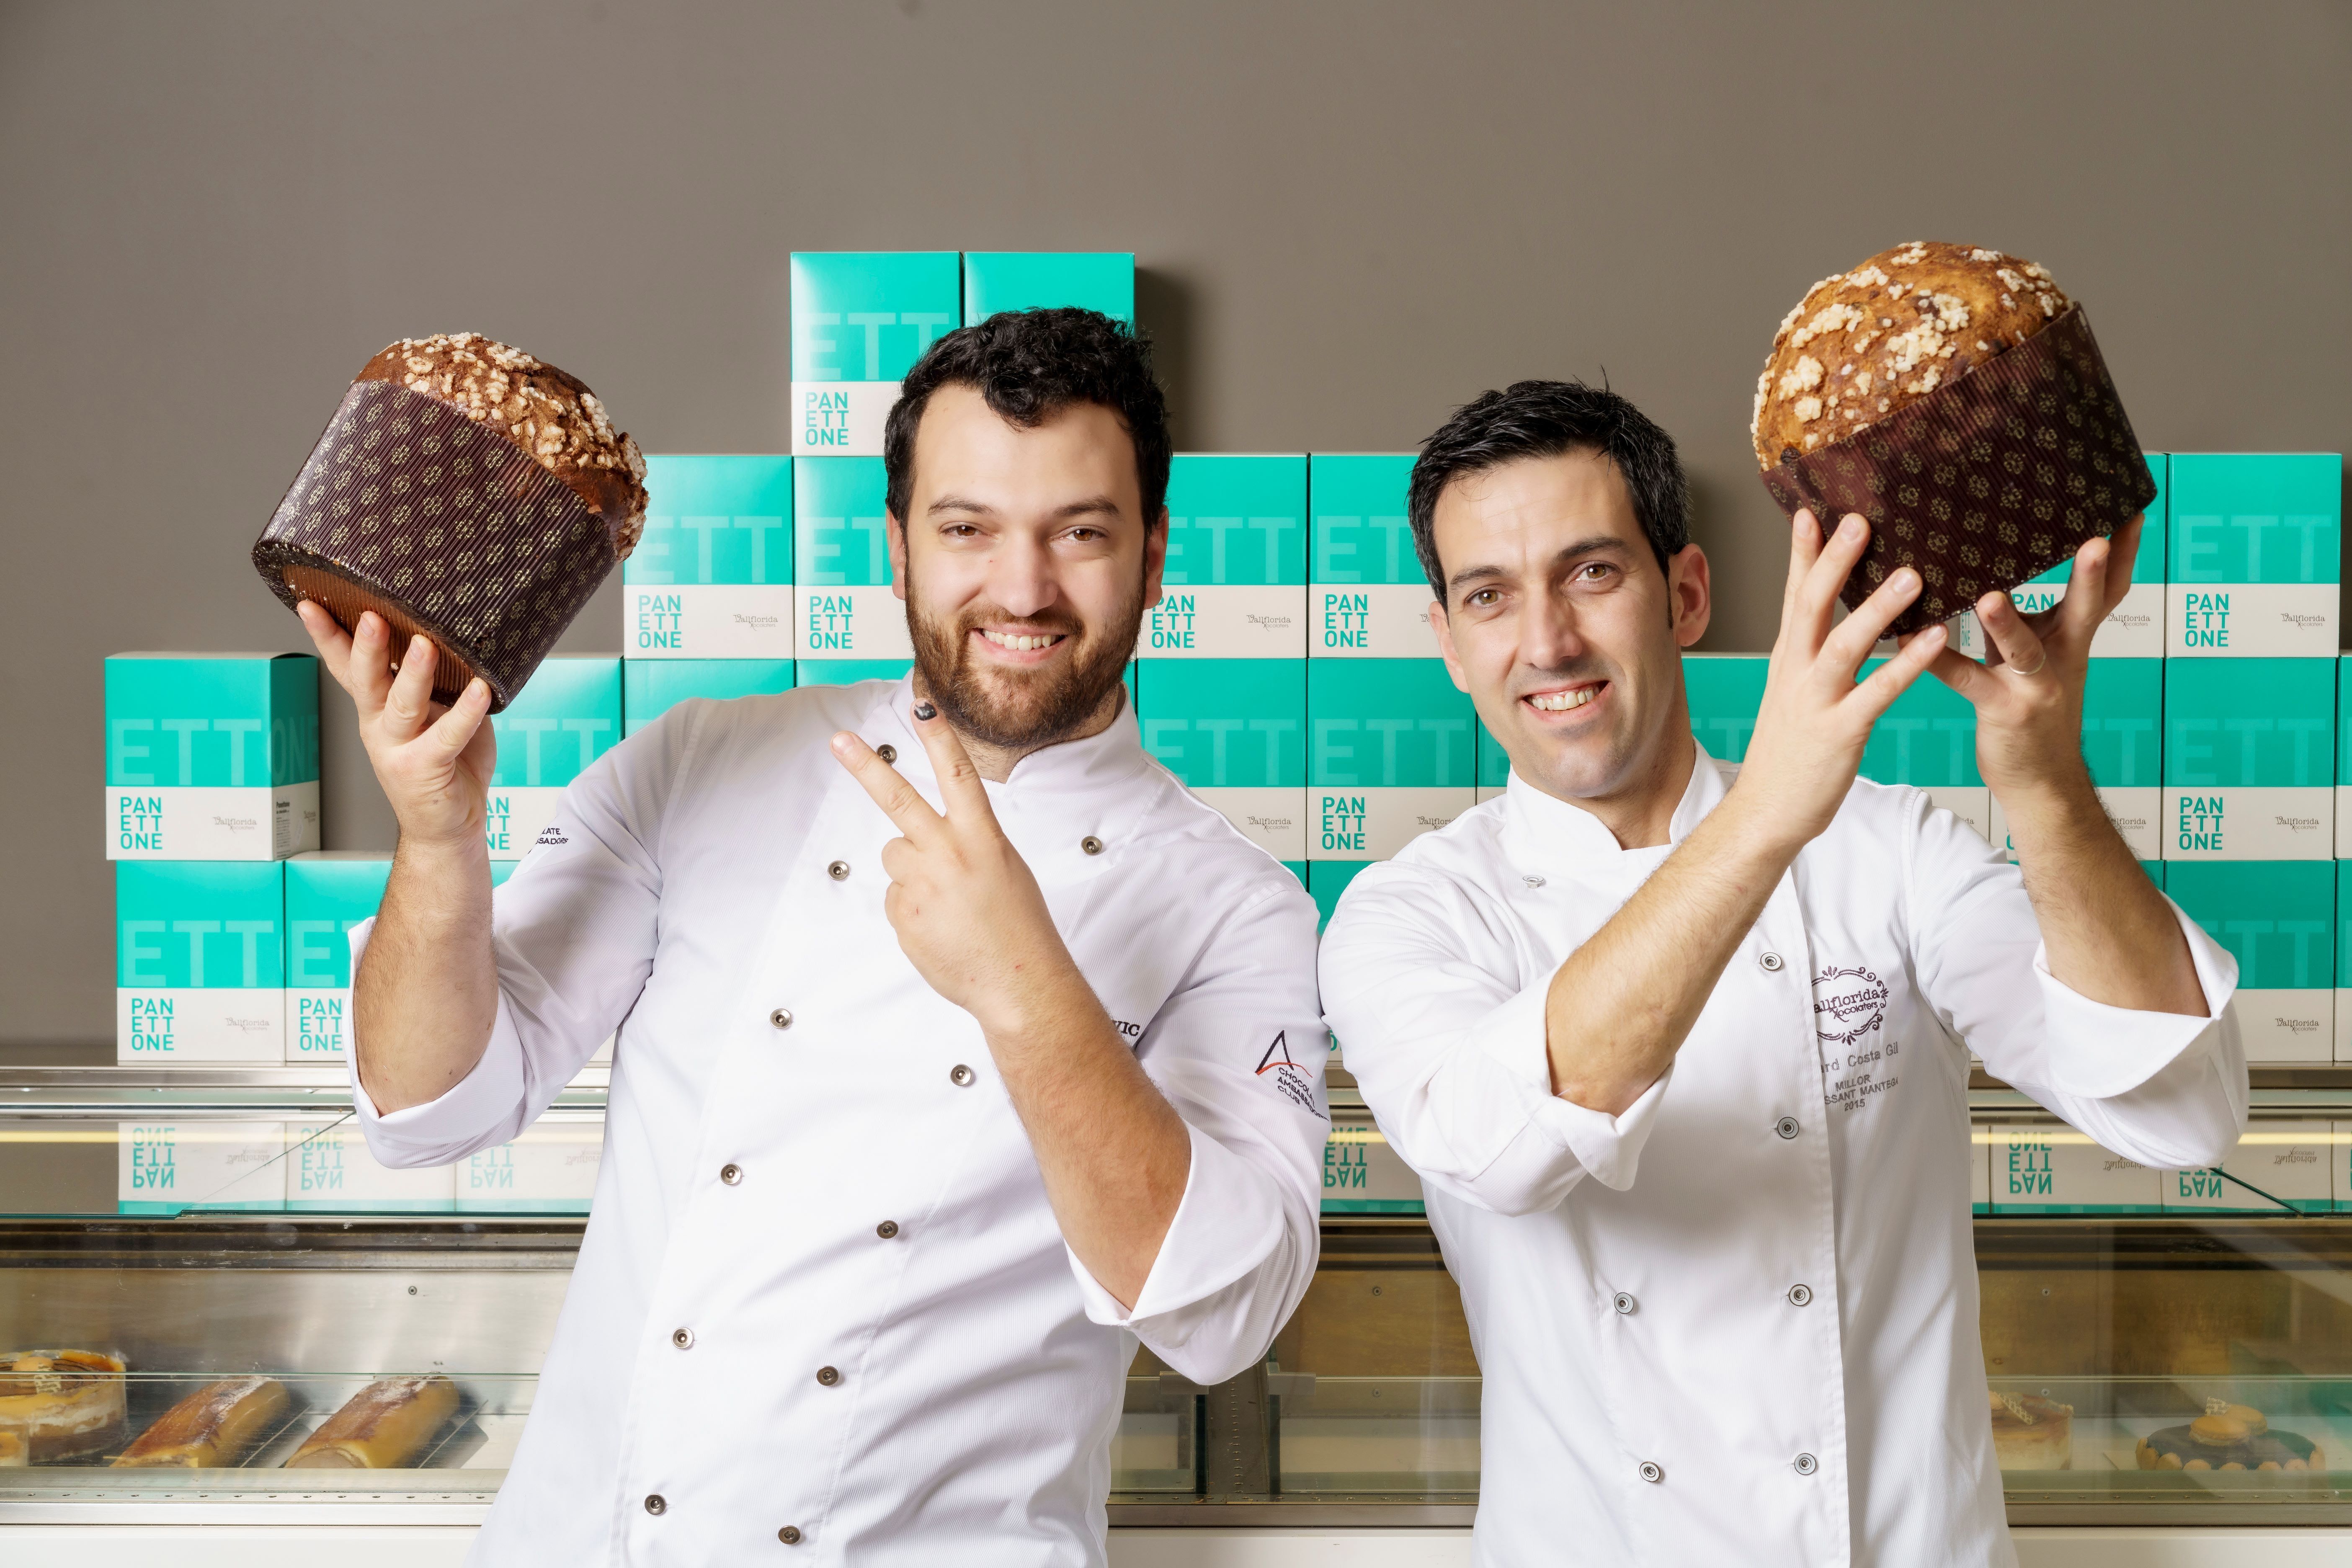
1549, 638
1021, 578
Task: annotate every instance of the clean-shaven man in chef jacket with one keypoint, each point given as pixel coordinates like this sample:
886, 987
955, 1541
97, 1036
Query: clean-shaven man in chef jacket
1682, 1058
940, 1010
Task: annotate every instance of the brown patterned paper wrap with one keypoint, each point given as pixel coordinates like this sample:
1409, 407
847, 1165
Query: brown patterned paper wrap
1986, 482
409, 508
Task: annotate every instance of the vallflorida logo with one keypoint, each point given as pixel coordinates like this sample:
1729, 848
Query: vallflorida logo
1847, 1003
1296, 1084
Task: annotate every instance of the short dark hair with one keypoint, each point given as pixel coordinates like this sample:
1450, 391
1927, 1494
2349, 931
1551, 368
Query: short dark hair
1546, 419
1030, 366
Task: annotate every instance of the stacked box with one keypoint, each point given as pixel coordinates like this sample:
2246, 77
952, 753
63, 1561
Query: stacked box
326, 896
1235, 732
1980, 1139
550, 1169
1723, 691
199, 961
2123, 734
2254, 554
565, 717
996, 281
712, 578
2043, 1169
1928, 739
2341, 1024
1362, 1173
1390, 755
1235, 586
2278, 917
860, 319
2277, 1166
2249, 759
211, 756
850, 624
1367, 596
2134, 628
167, 1167
329, 1170
651, 687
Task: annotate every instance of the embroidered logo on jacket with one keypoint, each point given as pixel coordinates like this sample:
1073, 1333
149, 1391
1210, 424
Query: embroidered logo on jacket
1847, 1005
1297, 1084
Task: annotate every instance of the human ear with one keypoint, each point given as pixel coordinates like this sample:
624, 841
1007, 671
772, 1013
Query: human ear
896, 532
1690, 598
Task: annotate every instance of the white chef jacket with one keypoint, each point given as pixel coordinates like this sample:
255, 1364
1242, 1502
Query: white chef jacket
739, 1339
1752, 1336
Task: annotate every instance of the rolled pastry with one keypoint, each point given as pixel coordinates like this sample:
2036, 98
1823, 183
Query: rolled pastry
387, 1426
211, 1428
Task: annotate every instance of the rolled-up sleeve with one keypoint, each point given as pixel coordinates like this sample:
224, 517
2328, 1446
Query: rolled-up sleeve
573, 934
2167, 1089
1239, 1050
1448, 1045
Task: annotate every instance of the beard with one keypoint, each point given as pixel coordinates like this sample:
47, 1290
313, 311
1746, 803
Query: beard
1014, 710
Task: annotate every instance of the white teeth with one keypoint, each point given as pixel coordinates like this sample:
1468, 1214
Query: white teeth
1561, 701
1018, 643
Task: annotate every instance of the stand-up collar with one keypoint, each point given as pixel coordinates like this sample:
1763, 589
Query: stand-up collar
1543, 827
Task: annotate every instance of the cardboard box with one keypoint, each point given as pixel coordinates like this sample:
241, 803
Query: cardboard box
2278, 917
996, 281
2341, 1025
550, 1169
2122, 733
712, 578
211, 756
2255, 555
1235, 584
846, 608
860, 320
1723, 691
199, 961
1235, 732
1929, 739
565, 717
2344, 755
1362, 1175
2249, 759
1390, 754
2278, 1167
1367, 596
1326, 880
1980, 1139
329, 1170
2039, 1168
651, 687
2134, 628
326, 896
171, 1167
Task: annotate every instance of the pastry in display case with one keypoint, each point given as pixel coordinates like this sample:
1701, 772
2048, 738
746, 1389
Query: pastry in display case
212, 1429
388, 1426
2031, 1433
60, 1405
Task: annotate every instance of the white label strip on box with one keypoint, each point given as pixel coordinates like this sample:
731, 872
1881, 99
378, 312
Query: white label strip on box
211, 1023
2343, 1024
1362, 1175
1972, 803
328, 1167
211, 822
2218, 823
860, 621
163, 1167
1273, 819
2136, 810
840, 419
550, 1168
2344, 815
2289, 1161
515, 815
1369, 620
2057, 1169
2287, 1025
318, 1024
707, 620
2249, 620
1373, 824
1240, 621
1979, 1168
2133, 629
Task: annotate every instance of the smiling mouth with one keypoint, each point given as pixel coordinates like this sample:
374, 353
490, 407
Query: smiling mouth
1023, 642
1563, 701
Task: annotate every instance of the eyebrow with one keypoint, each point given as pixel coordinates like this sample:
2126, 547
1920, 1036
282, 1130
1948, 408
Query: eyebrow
1599, 544
1089, 507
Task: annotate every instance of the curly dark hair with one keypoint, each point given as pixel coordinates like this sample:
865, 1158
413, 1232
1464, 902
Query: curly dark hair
1029, 365
1546, 419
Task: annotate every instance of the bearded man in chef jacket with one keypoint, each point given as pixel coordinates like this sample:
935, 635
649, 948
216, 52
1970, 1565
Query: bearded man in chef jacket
939, 1010
1714, 1244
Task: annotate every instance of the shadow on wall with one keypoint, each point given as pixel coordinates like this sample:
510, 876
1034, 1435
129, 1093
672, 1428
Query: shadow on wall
1166, 310
1748, 559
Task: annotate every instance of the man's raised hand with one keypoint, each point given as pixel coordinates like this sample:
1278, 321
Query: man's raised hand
434, 763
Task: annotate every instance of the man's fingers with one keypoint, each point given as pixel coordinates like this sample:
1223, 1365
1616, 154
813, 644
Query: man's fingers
1876, 694
408, 706
454, 730
901, 802
2122, 559
1850, 643
961, 790
2089, 593
2019, 649
1804, 545
334, 643
1818, 593
370, 665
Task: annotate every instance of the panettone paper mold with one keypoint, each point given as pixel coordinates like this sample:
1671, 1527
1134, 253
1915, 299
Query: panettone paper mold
1987, 481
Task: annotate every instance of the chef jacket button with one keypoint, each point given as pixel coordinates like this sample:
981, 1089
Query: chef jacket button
1771, 962
839, 872
887, 1229
1807, 1464
1786, 1126
730, 1175
1652, 1472
657, 1503
790, 1534
781, 1018
1623, 1303
1800, 1295
889, 754
1091, 845
682, 1338
961, 1075
827, 1376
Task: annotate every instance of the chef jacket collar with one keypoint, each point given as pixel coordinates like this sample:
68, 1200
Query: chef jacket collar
1100, 762
1545, 833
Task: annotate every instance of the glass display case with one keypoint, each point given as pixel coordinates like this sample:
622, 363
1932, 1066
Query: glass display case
2161, 1347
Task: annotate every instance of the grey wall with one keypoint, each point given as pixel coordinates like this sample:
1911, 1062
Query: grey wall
1351, 218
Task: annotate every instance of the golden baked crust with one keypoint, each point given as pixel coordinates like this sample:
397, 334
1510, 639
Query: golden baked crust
550, 416
384, 1427
64, 1404
212, 1427
1863, 344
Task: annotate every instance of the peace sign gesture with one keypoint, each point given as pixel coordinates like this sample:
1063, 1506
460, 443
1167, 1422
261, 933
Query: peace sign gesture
967, 909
